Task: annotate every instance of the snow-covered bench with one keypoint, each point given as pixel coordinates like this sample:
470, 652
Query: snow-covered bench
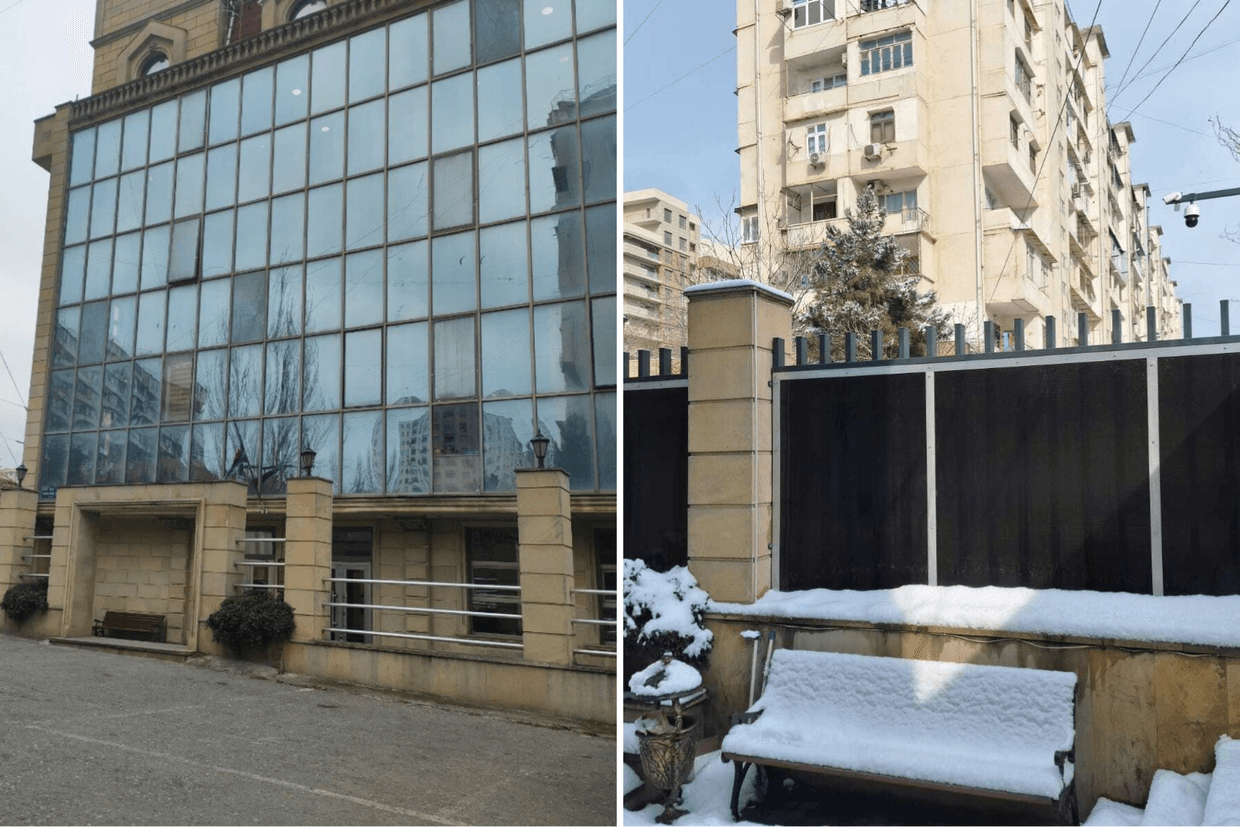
993, 731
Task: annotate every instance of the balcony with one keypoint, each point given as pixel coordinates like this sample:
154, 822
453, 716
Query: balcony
815, 104
814, 233
907, 222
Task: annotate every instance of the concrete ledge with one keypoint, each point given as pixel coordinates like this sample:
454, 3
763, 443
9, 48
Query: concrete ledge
580, 693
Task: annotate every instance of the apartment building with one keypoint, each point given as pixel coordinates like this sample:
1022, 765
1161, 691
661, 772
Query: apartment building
316, 274
661, 238
982, 127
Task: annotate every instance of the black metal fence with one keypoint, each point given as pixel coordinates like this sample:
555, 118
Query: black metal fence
1113, 468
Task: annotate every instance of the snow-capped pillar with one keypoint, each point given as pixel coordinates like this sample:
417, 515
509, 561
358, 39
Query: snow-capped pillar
732, 325
545, 552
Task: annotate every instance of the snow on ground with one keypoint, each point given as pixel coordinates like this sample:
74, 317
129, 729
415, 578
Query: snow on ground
993, 727
1176, 799
1108, 813
1192, 619
656, 679
1223, 803
631, 781
707, 798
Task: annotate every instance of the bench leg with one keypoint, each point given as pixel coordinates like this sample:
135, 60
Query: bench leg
741, 769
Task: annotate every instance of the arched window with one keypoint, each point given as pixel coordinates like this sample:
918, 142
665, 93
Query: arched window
307, 8
154, 62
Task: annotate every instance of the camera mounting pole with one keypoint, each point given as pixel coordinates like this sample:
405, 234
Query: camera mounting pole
1190, 197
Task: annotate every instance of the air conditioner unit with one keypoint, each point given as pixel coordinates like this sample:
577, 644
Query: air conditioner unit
785, 8
873, 152
1076, 190
817, 159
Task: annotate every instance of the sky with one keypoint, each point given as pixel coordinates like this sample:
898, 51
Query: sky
680, 119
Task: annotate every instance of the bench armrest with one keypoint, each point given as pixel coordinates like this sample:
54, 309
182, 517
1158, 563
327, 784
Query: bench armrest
745, 718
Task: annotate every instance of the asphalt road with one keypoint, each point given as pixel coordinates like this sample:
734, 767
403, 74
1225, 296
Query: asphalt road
89, 737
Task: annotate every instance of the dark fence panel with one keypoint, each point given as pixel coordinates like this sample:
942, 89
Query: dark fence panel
1043, 477
853, 482
1199, 435
656, 476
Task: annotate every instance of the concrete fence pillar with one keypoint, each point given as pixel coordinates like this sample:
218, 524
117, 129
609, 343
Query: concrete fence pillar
308, 555
223, 528
731, 329
17, 517
545, 553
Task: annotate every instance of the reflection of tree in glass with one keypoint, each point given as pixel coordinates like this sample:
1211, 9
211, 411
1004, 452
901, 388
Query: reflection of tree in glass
573, 450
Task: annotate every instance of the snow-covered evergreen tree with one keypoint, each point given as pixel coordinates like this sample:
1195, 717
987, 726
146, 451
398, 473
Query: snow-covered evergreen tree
859, 284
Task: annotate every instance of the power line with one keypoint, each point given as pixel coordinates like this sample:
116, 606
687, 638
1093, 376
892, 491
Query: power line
1176, 125
1133, 56
11, 379
665, 87
1226, 3
1202, 53
14, 5
1046, 156
7, 444
1120, 91
644, 19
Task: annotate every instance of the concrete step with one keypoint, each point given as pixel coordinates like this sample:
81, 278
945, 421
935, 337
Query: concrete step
172, 652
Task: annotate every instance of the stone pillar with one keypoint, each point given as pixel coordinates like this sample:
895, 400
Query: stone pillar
308, 555
731, 327
223, 528
545, 536
17, 516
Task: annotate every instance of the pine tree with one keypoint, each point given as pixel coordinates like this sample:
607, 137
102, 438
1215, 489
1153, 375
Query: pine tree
858, 285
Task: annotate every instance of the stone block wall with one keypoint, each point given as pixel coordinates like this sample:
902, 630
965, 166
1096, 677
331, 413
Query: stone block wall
142, 566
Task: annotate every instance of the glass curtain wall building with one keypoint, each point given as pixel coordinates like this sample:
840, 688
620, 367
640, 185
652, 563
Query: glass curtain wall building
396, 249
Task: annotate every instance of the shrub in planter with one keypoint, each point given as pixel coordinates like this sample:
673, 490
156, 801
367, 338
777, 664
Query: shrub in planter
24, 601
663, 611
251, 621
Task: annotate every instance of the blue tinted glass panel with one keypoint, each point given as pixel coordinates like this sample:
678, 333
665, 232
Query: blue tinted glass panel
367, 64
455, 444
282, 388
321, 434
367, 136
558, 256
561, 347
94, 332
82, 454
249, 311
506, 353
408, 451
173, 462
455, 359
121, 319
327, 148
500, 111
254, 180
251, 249
501, 181
140, 455
155, 257
363, 289
543, 26
281, 453
289, 168
605, 422
189, 185
163, 131
110, 464
151, 309
596, 73
64, 348
72, 274
225, 106
594, 14
409, 52
217, 244
132, 192
362, 460
503, 265
60, 409
364, 211
408, 195
207, 454
284, 308
407, 282
325, 224
182, 318
53, 468
193, 121
159, 194
128, 249
288, 228
103, 208
186, 241
213, 312
450, 25
452, 112
222, 177
82, 163
497, 29
292, 90
256, 101
603, 331
555, 179
565, 420
408, 364
87, 398
507, 428
363, 384
76, 215
241, 452
212, 379
407, 133
327, 78
550, 91
245, 381
598, 158
144, 404
454, 190
116, 390
601, 248
323, 305
454, 281
321, 385
133, 149
108, 149
98, 269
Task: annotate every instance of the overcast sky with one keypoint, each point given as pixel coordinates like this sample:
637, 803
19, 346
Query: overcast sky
680, 119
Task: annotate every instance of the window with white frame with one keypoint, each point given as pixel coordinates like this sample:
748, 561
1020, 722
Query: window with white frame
901, 203
883, 127
816, 138
1024, 77
883, 54
828, 82
810, 12
749, 229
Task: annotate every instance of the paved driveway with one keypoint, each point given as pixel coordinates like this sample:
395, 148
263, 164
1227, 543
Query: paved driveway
88, 737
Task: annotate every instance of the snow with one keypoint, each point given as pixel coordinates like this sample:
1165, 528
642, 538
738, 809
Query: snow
1192, 619
656, 679
670, 598
707, 798
1223, 803
1176, 799
732, 284
631, 781
751, 634
631, 744
990, 727
1108, 813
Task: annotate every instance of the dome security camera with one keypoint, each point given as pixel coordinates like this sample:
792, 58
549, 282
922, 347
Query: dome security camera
1192, 215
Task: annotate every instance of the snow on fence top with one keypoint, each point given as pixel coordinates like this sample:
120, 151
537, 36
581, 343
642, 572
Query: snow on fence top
987, 727
1194, 619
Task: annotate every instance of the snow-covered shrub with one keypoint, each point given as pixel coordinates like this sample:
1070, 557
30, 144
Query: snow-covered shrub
663, 611
24, 601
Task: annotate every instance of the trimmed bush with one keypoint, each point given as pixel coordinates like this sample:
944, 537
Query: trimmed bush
250, 621
24, 601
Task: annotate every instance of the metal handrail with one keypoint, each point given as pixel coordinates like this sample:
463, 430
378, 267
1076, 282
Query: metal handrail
594, 622
594, 591
423, 610
258, 585
36, 557
258, 563
261, 540
606, 653
37, 537
423, 583
409, 636
33, 574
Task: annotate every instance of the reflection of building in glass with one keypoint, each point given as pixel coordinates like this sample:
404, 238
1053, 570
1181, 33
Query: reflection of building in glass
457, 454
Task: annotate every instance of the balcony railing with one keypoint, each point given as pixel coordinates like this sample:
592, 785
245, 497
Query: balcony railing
813, 233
